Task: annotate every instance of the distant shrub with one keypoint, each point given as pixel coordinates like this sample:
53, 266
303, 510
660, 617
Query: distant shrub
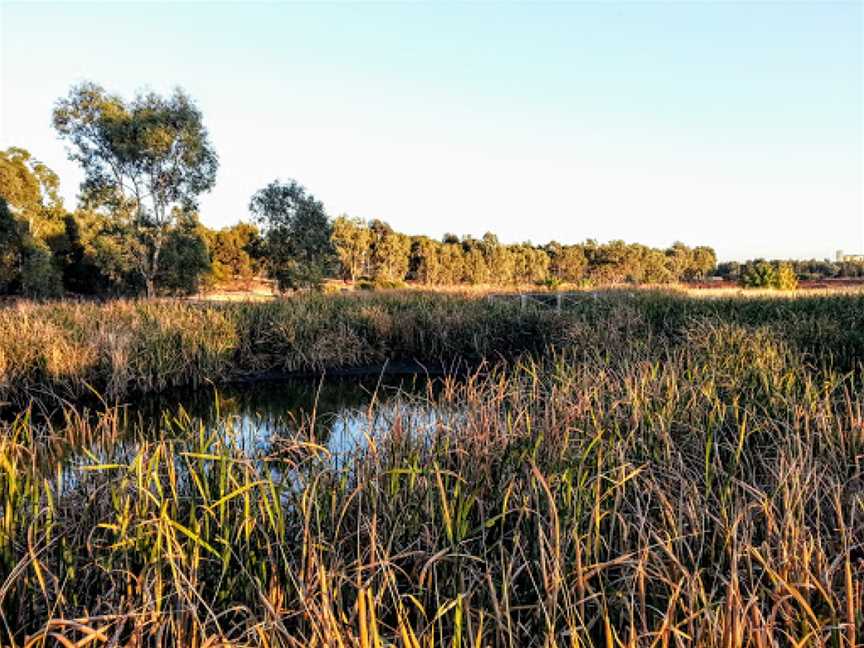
786, 279
388, 284
764, 274
551, 283
759, 274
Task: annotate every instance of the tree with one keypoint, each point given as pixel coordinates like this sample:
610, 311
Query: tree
758, 274
142, 161
185, 256
30, 190
297, 235
351, 237
729, 270
10, 249
425, 265
475, 268
786, 279
235, 252
566, 262
703, 262
390, 253
678, 260
607, 263
26, 263
32, 225
653, 267
80, 274
452, 261
101, 257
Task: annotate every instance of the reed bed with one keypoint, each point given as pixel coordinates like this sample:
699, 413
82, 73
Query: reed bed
129, 347
121, 348
681, 475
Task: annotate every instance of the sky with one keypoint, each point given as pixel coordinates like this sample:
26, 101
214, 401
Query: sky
738, 125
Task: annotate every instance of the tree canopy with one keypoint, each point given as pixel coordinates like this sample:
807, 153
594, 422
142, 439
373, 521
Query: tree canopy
297, 235
145, 161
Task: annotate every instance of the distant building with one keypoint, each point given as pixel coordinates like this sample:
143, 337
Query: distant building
848, 258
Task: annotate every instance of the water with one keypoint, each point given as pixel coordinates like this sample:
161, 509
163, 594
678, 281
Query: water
341, 415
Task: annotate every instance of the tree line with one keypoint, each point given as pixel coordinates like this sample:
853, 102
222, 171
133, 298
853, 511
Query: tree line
136, 229
804, 269
373, 250
46, 251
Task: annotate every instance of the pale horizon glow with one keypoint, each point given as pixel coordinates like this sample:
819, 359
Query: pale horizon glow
734, 125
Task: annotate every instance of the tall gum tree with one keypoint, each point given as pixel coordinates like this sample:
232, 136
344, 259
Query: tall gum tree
145, 161
31, 192
297, 235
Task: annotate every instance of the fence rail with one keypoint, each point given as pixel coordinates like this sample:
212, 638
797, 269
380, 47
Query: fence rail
556, 301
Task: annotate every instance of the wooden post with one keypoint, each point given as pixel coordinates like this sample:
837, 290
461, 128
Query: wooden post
523, 300
558, 302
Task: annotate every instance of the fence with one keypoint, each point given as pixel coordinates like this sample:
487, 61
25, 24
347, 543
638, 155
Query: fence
557, 301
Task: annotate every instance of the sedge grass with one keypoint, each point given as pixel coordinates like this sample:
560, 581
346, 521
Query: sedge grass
676, 477
124, 347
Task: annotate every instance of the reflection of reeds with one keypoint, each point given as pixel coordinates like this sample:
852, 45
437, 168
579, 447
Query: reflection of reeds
706, 490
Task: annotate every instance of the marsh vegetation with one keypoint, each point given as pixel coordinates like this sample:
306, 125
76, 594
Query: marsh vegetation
645, 469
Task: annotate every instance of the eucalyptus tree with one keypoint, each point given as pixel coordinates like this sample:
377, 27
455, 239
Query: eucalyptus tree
297, 235
31, 192
31, 226
352, 239
145, 161
390, 253
566, 262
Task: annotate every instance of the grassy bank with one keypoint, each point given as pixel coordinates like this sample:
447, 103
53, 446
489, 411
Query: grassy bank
125, 347
680, 473
121, 347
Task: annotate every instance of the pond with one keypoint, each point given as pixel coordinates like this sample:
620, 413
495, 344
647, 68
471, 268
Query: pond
339, 415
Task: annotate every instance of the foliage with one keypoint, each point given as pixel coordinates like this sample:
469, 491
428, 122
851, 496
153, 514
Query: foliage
236, 252
759, 274
766, 274
351, 239
144, 161
185, 257
567, 263
31, 192
127, 236
40, 278
297, 235
388, 252
31, 220
381, 252
10, 249
786, 278
809, 269
85, 272
26, 263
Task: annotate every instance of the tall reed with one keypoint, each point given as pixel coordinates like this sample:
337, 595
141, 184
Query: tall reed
123, 348
631, 489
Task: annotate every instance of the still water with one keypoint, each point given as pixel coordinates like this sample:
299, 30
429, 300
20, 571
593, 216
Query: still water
341, 415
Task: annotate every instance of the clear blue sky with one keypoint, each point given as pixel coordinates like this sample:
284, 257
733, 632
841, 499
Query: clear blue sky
737, 125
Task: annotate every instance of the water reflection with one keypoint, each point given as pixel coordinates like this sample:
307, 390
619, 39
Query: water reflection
339, 414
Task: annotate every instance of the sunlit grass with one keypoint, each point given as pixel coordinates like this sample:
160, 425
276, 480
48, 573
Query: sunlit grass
673, 475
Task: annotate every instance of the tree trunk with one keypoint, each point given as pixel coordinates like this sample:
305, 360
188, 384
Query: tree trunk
153, 270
